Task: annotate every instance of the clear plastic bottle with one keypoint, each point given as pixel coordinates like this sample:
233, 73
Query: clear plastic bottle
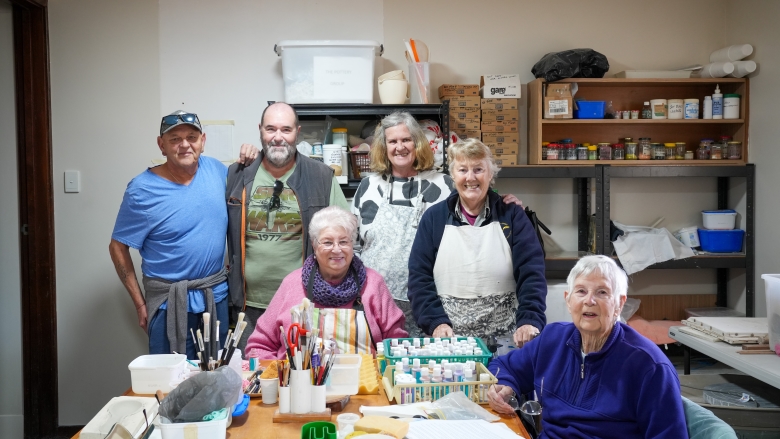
717, 103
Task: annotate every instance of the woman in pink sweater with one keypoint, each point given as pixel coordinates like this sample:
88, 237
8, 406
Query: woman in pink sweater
352, 303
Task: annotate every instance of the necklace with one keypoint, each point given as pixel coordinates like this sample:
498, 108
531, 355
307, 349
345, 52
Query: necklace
171, 174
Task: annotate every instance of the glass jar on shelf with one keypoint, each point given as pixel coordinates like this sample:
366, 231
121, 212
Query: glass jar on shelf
669, 151
644, 149
707, 146
605, 151
593, 152
340, 137
703, 151
734, 151
582, 152
631, 151
545, 145
571, 151
553, 152
659, 152
679, 150
618, 151
716, 151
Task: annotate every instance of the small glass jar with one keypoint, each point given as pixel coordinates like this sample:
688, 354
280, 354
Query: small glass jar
625, 140
647, 112
593, 152
340, 137
553, 152
688, 155
644, 149
631, 151
703, 152
571, 152
618, 151
707, 145
669, 151
582, 152
734, 151
605, 151
716, 151
679, 150
659, 152
545, 145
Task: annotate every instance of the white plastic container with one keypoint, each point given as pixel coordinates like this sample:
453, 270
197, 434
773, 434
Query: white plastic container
675, 109
344, 378
691, 110
731, 106
688, 236
772, 287
331, 156
659, 108
194, 430
719, 219
328, 71
149, 373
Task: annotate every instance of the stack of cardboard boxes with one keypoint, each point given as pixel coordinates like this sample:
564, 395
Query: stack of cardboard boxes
501, 117
464, 108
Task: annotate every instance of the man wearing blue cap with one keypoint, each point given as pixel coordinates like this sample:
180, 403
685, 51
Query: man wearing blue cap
175, 215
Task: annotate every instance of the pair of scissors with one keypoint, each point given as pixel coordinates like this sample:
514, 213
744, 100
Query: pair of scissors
294, 334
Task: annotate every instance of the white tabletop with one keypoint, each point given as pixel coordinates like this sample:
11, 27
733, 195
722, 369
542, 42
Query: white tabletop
763, 367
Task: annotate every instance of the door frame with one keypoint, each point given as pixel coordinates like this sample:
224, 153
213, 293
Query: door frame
36, 219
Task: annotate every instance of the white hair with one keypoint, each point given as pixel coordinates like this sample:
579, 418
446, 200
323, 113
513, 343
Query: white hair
332, 216
609, 270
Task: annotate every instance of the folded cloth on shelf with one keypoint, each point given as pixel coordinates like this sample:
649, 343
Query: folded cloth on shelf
641, 247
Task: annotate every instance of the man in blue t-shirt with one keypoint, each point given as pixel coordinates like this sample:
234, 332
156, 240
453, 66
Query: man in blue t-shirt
175, 216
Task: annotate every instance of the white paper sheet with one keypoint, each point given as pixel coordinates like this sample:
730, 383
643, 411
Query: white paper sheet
459, 430
219, 140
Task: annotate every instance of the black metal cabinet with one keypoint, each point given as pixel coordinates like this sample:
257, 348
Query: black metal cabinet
438, 112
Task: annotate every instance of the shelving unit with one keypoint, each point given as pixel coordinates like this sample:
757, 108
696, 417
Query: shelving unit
439, 112
631, 94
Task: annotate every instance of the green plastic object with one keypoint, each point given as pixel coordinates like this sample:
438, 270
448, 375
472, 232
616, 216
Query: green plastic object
483, 358
319, 430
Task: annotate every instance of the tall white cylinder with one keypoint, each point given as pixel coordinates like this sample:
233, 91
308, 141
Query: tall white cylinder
716, 70
300, 391
731, 53
318, 399
743, 68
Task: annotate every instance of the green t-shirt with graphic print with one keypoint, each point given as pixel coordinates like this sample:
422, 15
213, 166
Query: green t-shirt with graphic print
274, 240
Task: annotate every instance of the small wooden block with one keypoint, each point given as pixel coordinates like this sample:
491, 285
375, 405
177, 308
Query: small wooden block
756, 352
280, 418
755, 347
336, 403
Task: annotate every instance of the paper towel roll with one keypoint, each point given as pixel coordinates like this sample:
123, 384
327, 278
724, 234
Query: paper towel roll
716, 70
731, 53
743, 68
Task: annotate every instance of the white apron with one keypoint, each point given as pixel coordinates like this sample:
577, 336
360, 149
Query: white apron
389, 241
475, 280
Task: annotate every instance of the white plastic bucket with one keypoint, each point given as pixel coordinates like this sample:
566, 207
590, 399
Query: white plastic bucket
772, 287
331, 156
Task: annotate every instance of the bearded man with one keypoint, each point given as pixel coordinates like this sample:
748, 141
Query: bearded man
270, 204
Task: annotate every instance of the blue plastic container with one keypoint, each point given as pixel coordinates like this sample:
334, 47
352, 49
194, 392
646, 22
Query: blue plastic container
590, 109
721, 241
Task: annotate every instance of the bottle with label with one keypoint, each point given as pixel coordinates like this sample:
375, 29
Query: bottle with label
647, 112
707, 112
717, 103
644, 150
380, 357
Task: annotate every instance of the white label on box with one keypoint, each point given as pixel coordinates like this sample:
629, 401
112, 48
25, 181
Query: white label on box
501, 86
342, 78
558, 107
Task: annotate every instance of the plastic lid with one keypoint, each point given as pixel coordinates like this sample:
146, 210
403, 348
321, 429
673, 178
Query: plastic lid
484, 377
437, 372
394, 342
726, 211
344, 130
707, 98
423, 372
399, 367
618, 145
592, 148
732, 95
447, 374
431, 363
405, 361
717, 89
416, 362
647, 102
669, 144
467, 373
289, 44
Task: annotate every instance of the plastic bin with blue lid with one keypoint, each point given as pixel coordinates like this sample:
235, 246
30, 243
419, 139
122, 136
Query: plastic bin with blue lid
589, 109
721, 241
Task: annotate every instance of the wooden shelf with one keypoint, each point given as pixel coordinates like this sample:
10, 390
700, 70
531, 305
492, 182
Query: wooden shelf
641, 121
653, 163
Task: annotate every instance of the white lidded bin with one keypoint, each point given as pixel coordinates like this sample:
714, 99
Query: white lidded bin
194, 430
344, 377
149, 373
719, 219
328, 71
772, 287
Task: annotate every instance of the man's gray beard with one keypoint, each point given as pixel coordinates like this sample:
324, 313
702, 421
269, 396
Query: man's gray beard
276, 159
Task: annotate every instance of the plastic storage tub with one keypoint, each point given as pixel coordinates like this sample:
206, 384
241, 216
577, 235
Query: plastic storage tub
149, 373
589, 109
772, 286
194, 430
344, 377
721, 241
328, 71
475, 390
483, 358
719, 219
688, 236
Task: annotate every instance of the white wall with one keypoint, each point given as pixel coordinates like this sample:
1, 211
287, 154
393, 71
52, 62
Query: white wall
754, 22
11, 419
113, 61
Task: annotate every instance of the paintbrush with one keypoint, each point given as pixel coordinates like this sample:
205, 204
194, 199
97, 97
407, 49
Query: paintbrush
207, 335
235, 342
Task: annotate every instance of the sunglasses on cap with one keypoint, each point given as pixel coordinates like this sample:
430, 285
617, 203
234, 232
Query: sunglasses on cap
172, 120
276, 202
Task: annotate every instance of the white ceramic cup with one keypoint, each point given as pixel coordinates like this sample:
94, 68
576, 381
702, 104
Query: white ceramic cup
317, 399
300, 391
284, 399
270, 389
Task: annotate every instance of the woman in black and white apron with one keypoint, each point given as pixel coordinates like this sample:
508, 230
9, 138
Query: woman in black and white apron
476, 267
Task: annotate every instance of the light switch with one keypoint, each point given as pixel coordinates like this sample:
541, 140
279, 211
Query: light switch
72, 181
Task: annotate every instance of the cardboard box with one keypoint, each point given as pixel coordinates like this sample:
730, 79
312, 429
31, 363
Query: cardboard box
469, 134
557, 89
558, 108
506, 160
464, 124
500, 86
463, 102
498, 104
509, 126
503, 148
500, 115
458, 90
501, 138
465, 113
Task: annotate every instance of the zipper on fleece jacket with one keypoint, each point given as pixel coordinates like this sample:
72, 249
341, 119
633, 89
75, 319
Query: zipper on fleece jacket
581, 385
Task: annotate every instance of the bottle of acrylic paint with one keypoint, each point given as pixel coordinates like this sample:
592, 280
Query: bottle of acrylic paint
436, 379
425, 392
416, 368
717, 103
707, 113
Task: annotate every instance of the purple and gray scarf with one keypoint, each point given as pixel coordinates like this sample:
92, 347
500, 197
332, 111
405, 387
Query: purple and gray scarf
333, 296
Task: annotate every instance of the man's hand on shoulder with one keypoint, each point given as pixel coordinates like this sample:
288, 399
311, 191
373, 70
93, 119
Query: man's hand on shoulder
248, 154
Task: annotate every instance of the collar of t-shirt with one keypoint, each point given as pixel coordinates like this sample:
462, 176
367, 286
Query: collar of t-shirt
465, 217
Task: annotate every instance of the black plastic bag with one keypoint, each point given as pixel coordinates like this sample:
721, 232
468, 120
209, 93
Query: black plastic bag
202, 394
574, 63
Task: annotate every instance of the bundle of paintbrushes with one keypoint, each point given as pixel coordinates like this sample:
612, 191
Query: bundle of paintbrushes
202, 343
321, 365
283, 369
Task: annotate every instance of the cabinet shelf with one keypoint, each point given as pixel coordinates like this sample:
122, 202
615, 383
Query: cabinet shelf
641, 121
